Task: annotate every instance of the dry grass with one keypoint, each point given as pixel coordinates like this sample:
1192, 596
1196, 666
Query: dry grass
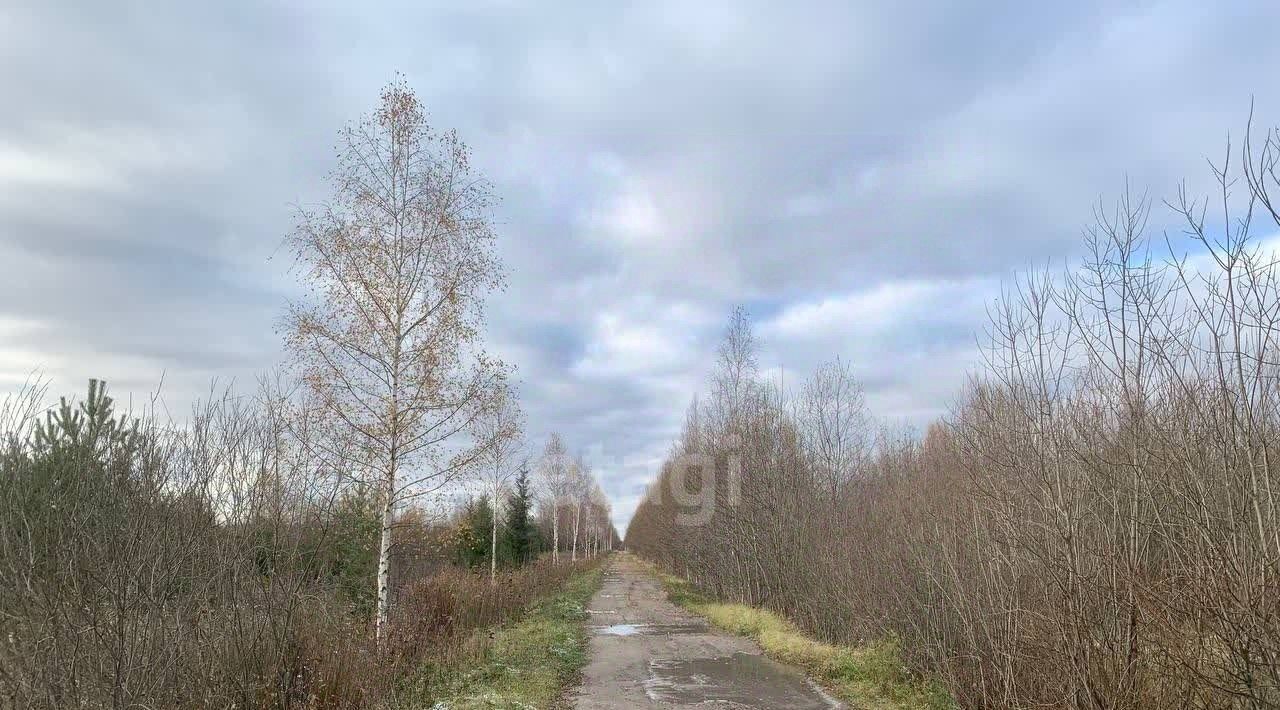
871, 676
523, 664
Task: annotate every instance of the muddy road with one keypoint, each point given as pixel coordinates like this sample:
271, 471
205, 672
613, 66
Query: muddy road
646, 652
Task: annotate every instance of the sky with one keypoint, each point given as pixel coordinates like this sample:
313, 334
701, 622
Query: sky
860, 176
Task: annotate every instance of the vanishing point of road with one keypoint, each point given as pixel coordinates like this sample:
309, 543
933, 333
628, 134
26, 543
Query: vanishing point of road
646, 652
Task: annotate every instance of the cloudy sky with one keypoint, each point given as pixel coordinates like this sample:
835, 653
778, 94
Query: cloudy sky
860, 175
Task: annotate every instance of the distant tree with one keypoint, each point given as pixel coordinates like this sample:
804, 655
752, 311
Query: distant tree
598, 510
398, 264
836, 429
501, 425
554, 471
579, 490
519, 531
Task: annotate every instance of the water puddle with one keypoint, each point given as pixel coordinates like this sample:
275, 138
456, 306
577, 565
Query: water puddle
742, 680
649, 629
619, 630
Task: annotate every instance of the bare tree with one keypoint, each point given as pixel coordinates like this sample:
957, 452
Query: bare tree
579, 488
598, 510
554, 472
501, 425
398, 263
835, 425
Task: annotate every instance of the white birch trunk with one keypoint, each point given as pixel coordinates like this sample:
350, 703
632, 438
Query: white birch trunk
555, 533
493, 540
384, 563
577, 515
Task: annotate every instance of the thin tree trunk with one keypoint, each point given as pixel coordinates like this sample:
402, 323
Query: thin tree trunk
577, 515
388, 505
493, 540
555, 533
384, 561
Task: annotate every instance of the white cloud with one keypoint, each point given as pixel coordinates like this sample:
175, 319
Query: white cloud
901, 304
643, 338
631, 217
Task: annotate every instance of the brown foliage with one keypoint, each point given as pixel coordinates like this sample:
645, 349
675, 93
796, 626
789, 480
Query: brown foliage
439, 612
1095, 526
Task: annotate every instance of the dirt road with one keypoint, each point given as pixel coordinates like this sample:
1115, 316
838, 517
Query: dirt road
647, 653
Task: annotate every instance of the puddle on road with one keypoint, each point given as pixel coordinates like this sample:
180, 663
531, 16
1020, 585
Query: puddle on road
742, 680
649, 629
619, 630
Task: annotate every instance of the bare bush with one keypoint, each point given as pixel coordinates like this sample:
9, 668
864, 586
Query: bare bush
1095, 526
162, 566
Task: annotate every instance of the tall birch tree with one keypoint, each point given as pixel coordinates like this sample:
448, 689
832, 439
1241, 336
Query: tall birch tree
397, 264
554, 473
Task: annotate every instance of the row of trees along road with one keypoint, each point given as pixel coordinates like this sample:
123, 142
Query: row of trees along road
573, 507
574, 503
1097, 522
495, 530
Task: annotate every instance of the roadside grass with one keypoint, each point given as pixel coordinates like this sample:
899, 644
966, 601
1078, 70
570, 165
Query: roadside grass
870, 676
526, 664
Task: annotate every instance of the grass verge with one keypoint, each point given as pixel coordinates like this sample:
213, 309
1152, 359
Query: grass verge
871, 676
526, 664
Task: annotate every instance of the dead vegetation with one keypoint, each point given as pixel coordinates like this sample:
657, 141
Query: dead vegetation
227, 563
1094, 526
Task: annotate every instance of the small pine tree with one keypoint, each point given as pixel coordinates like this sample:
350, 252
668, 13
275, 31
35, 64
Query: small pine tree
91, 430
518, 531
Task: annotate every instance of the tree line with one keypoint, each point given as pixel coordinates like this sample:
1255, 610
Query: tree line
573, 515
1094, 524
